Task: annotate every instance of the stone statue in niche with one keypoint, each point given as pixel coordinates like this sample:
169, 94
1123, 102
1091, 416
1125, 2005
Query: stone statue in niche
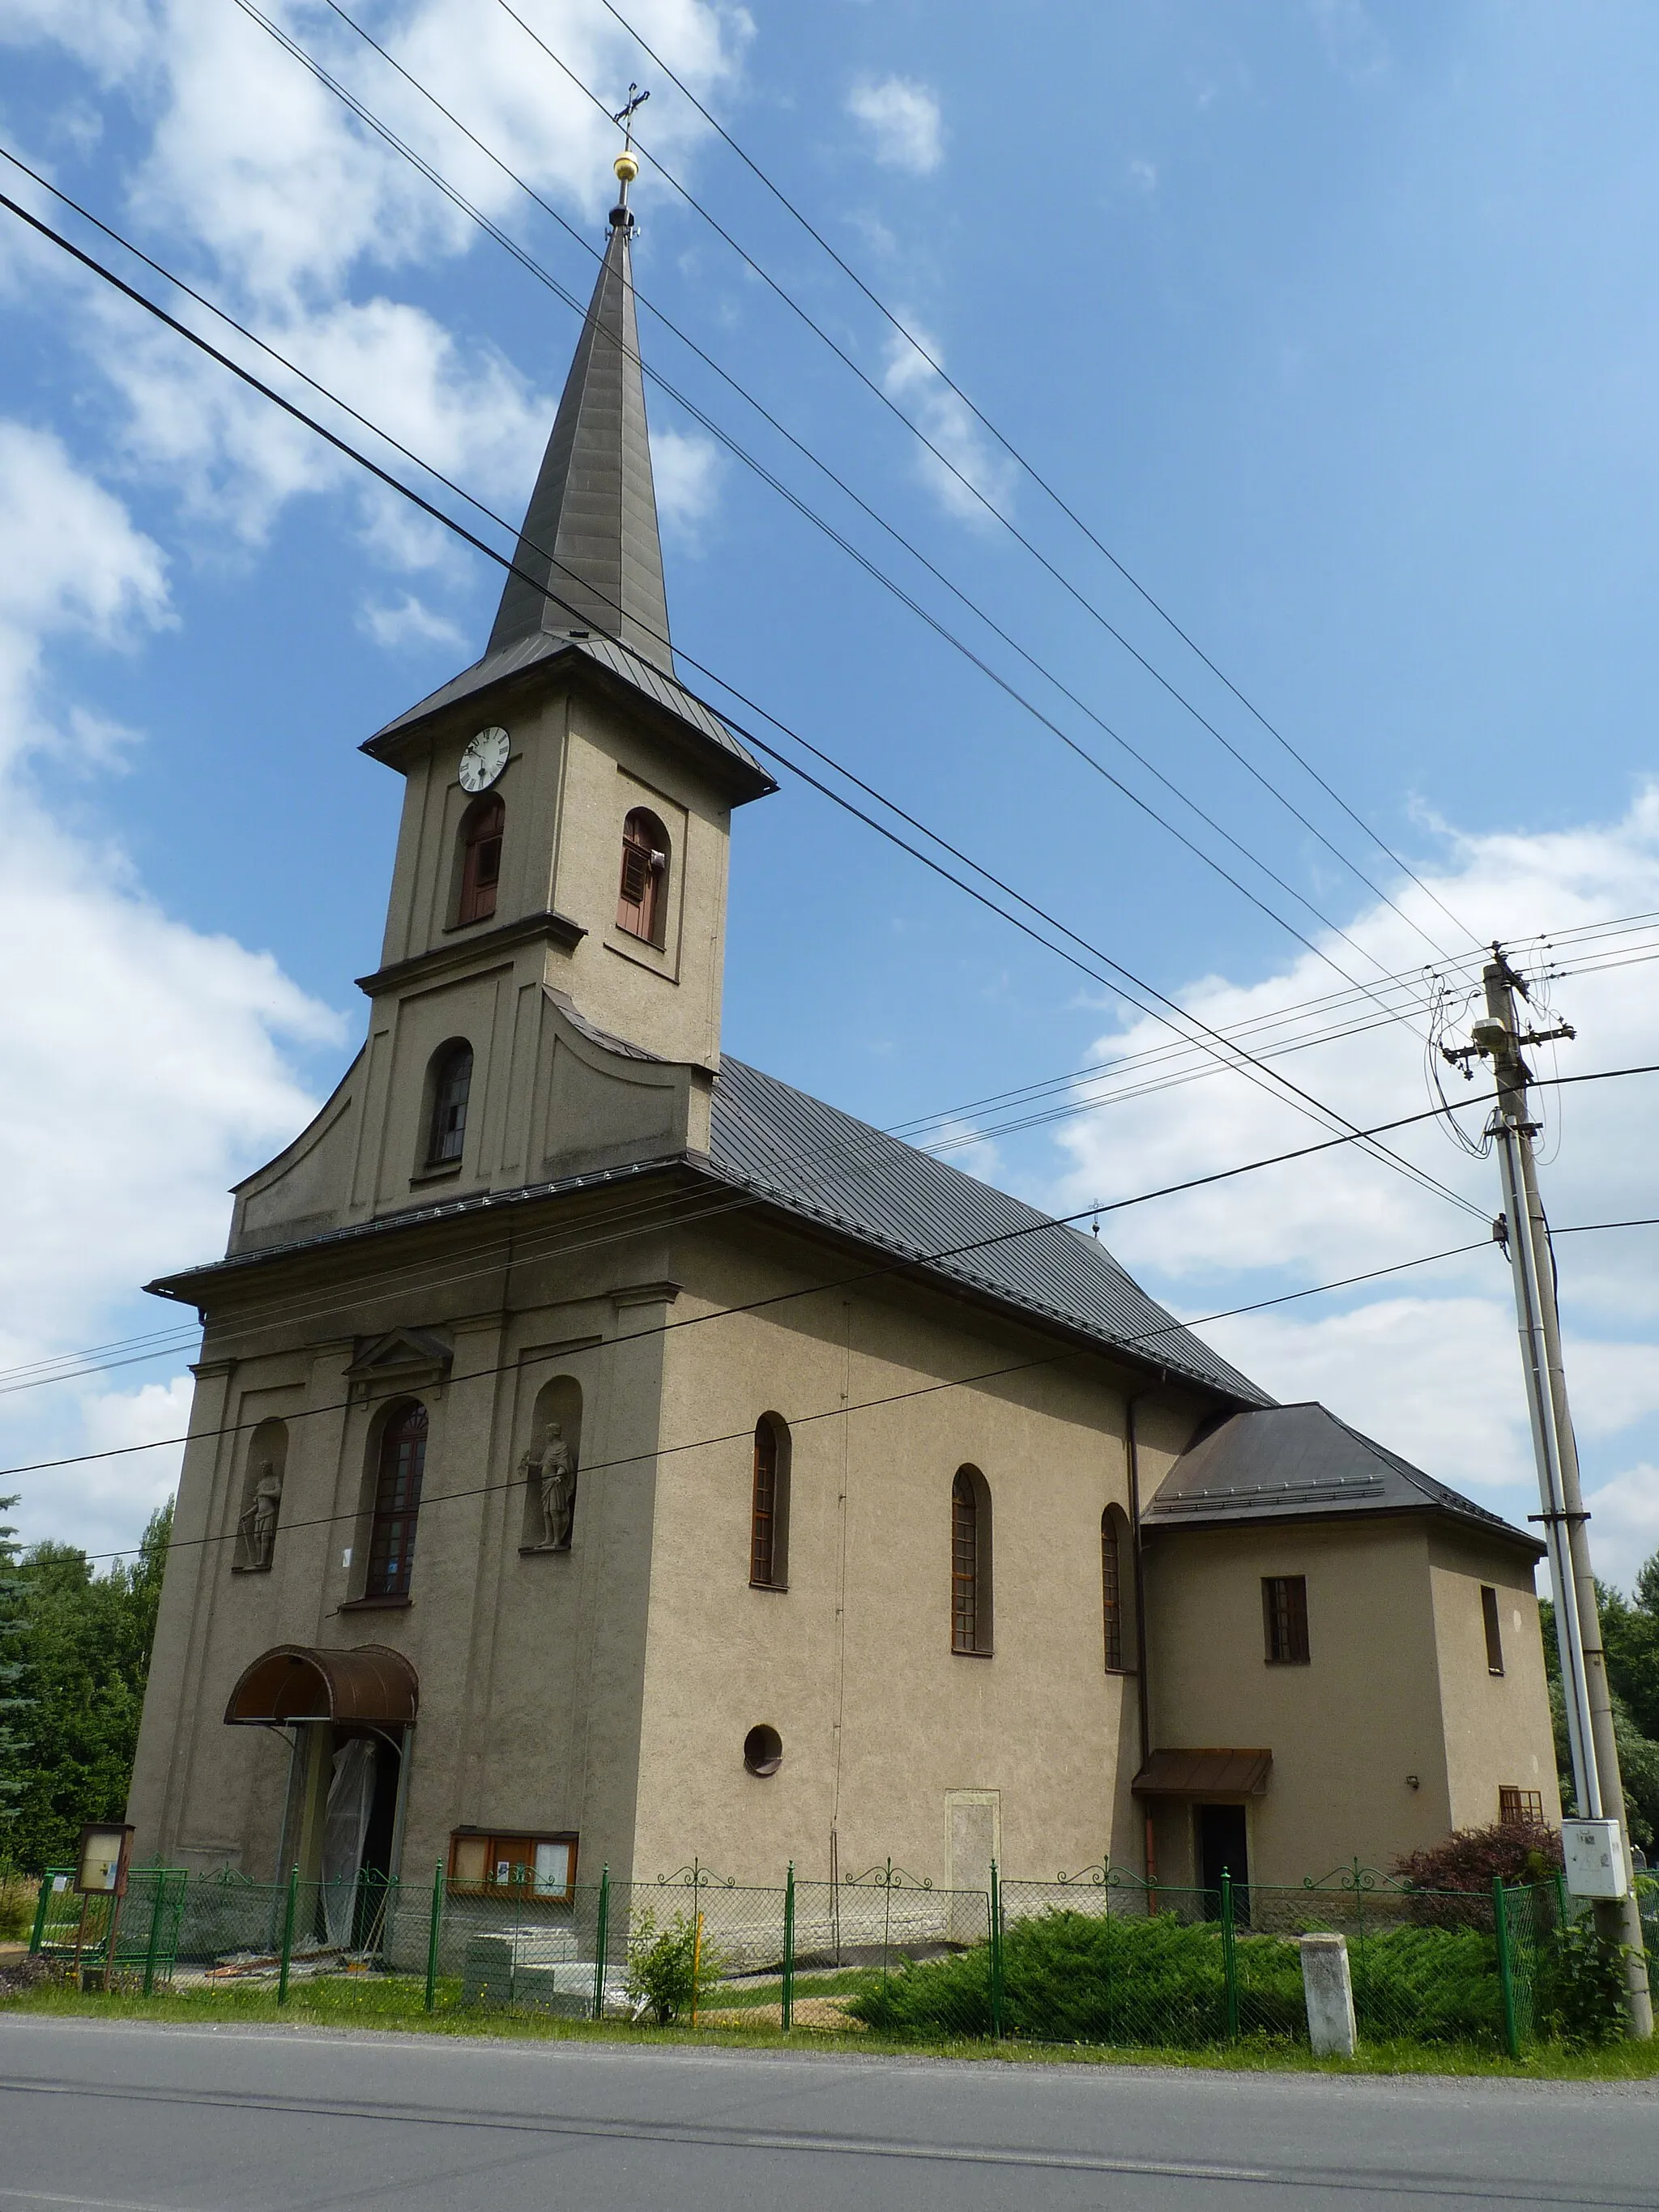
550, 1465
257, 1526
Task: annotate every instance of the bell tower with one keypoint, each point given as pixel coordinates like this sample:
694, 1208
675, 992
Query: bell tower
559, 890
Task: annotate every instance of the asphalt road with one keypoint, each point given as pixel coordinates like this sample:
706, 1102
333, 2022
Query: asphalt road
140, 2118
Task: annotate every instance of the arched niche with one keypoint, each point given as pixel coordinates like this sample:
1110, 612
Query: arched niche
264, 1472
551, 1466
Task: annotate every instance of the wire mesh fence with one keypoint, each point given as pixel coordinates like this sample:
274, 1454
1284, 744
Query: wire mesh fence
1096, 1958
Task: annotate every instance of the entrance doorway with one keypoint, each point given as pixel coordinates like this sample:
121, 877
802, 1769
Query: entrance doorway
1222, 1846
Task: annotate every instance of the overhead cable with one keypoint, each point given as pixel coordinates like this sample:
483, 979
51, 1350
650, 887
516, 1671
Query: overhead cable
1120, 980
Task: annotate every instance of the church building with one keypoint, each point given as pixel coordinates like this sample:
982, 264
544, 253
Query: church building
604, 1453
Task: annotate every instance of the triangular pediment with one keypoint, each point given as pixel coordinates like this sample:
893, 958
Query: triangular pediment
402, 1355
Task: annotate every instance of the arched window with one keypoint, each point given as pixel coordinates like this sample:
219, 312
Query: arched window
642, 896
1111, 1589
769, 1518
481, 859
971, 1563
399, 1472
452, 1083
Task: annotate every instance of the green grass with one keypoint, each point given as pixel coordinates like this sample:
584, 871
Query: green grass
392, 2003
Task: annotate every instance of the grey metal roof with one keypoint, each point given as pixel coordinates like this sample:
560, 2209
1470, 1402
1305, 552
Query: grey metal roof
825, 1166
1285, 1462
590, 532
604, 652
829, 1167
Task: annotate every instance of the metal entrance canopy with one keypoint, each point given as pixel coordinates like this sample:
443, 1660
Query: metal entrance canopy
371, 1685
1216, 1773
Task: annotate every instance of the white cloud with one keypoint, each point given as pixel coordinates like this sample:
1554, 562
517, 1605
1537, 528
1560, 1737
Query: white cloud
72, 562
687, 470
969, 464
1428, 1363
144, 1067
254, 166
1143, 175
1354, 44
408, 622
1625, 1522
903, 121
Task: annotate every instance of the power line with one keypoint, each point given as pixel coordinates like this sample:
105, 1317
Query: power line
902, 1265
159, 1344
702, 1444
1120, 975
1030, 470
291, 46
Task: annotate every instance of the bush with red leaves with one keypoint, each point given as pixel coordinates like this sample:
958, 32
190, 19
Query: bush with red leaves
1466, 1860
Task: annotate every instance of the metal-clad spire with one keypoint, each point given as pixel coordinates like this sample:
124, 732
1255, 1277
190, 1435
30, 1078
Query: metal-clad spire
594, 507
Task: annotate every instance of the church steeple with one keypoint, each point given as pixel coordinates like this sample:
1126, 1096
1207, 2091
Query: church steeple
590, 533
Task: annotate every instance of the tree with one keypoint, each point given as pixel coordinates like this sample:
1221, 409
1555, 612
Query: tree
13, 1703
84, 1653
1630, 1634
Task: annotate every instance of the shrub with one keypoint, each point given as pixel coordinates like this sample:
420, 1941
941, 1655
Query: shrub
669, 1972
1462, 1865
1072, 1978
1428, 1984
18, 1896
1581, 1985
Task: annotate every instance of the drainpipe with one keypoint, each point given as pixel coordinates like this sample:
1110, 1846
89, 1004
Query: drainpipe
1143, 1686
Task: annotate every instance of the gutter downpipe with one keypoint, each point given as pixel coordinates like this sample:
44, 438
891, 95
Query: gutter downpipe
1143, 1686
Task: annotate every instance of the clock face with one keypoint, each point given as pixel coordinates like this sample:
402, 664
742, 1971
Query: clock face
483, 760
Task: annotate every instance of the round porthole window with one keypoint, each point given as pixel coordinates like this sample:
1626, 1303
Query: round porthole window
763, 1750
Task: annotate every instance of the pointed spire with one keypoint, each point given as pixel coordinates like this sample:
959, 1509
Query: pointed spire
594, 507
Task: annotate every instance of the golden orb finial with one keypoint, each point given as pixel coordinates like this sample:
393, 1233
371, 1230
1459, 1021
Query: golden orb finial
627, 168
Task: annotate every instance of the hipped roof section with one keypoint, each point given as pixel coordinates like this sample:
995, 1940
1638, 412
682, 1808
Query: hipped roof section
1300, 1462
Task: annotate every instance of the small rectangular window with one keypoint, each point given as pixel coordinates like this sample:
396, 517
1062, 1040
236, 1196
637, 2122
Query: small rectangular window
522, 1867
1519, 1808
1284, 1617
1494, 1629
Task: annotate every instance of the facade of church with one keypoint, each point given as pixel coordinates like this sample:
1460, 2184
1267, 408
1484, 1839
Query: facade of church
605, 1453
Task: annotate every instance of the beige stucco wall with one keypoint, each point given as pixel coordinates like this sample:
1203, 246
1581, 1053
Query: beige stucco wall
1396, 1687
529, 1667
1498, 1727
880, 1720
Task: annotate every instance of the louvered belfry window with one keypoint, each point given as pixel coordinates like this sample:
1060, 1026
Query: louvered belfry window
644, 886
964, 1565
396, 1503
1111, 1589
481, 861
452, 1087
763, 1520
1285, 1619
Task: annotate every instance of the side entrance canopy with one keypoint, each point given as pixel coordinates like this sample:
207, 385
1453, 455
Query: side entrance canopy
1216, 1773
372, 1685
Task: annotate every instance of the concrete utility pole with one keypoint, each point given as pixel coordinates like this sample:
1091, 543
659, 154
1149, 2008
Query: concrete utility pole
1597, 1782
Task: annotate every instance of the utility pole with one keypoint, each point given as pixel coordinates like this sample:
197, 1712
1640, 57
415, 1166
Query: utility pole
1597, 1782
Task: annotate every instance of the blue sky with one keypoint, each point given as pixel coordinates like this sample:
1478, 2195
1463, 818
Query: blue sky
1335, 324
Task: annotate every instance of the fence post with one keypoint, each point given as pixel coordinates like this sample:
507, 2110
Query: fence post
433, 1935
156, 1908
37, 1933
1229, 1955
1500, 1915
288, 1910
996, 1952
1560, 1901
786, 2010
601, 1941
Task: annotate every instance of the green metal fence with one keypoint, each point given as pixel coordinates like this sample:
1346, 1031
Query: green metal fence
1099, 1958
